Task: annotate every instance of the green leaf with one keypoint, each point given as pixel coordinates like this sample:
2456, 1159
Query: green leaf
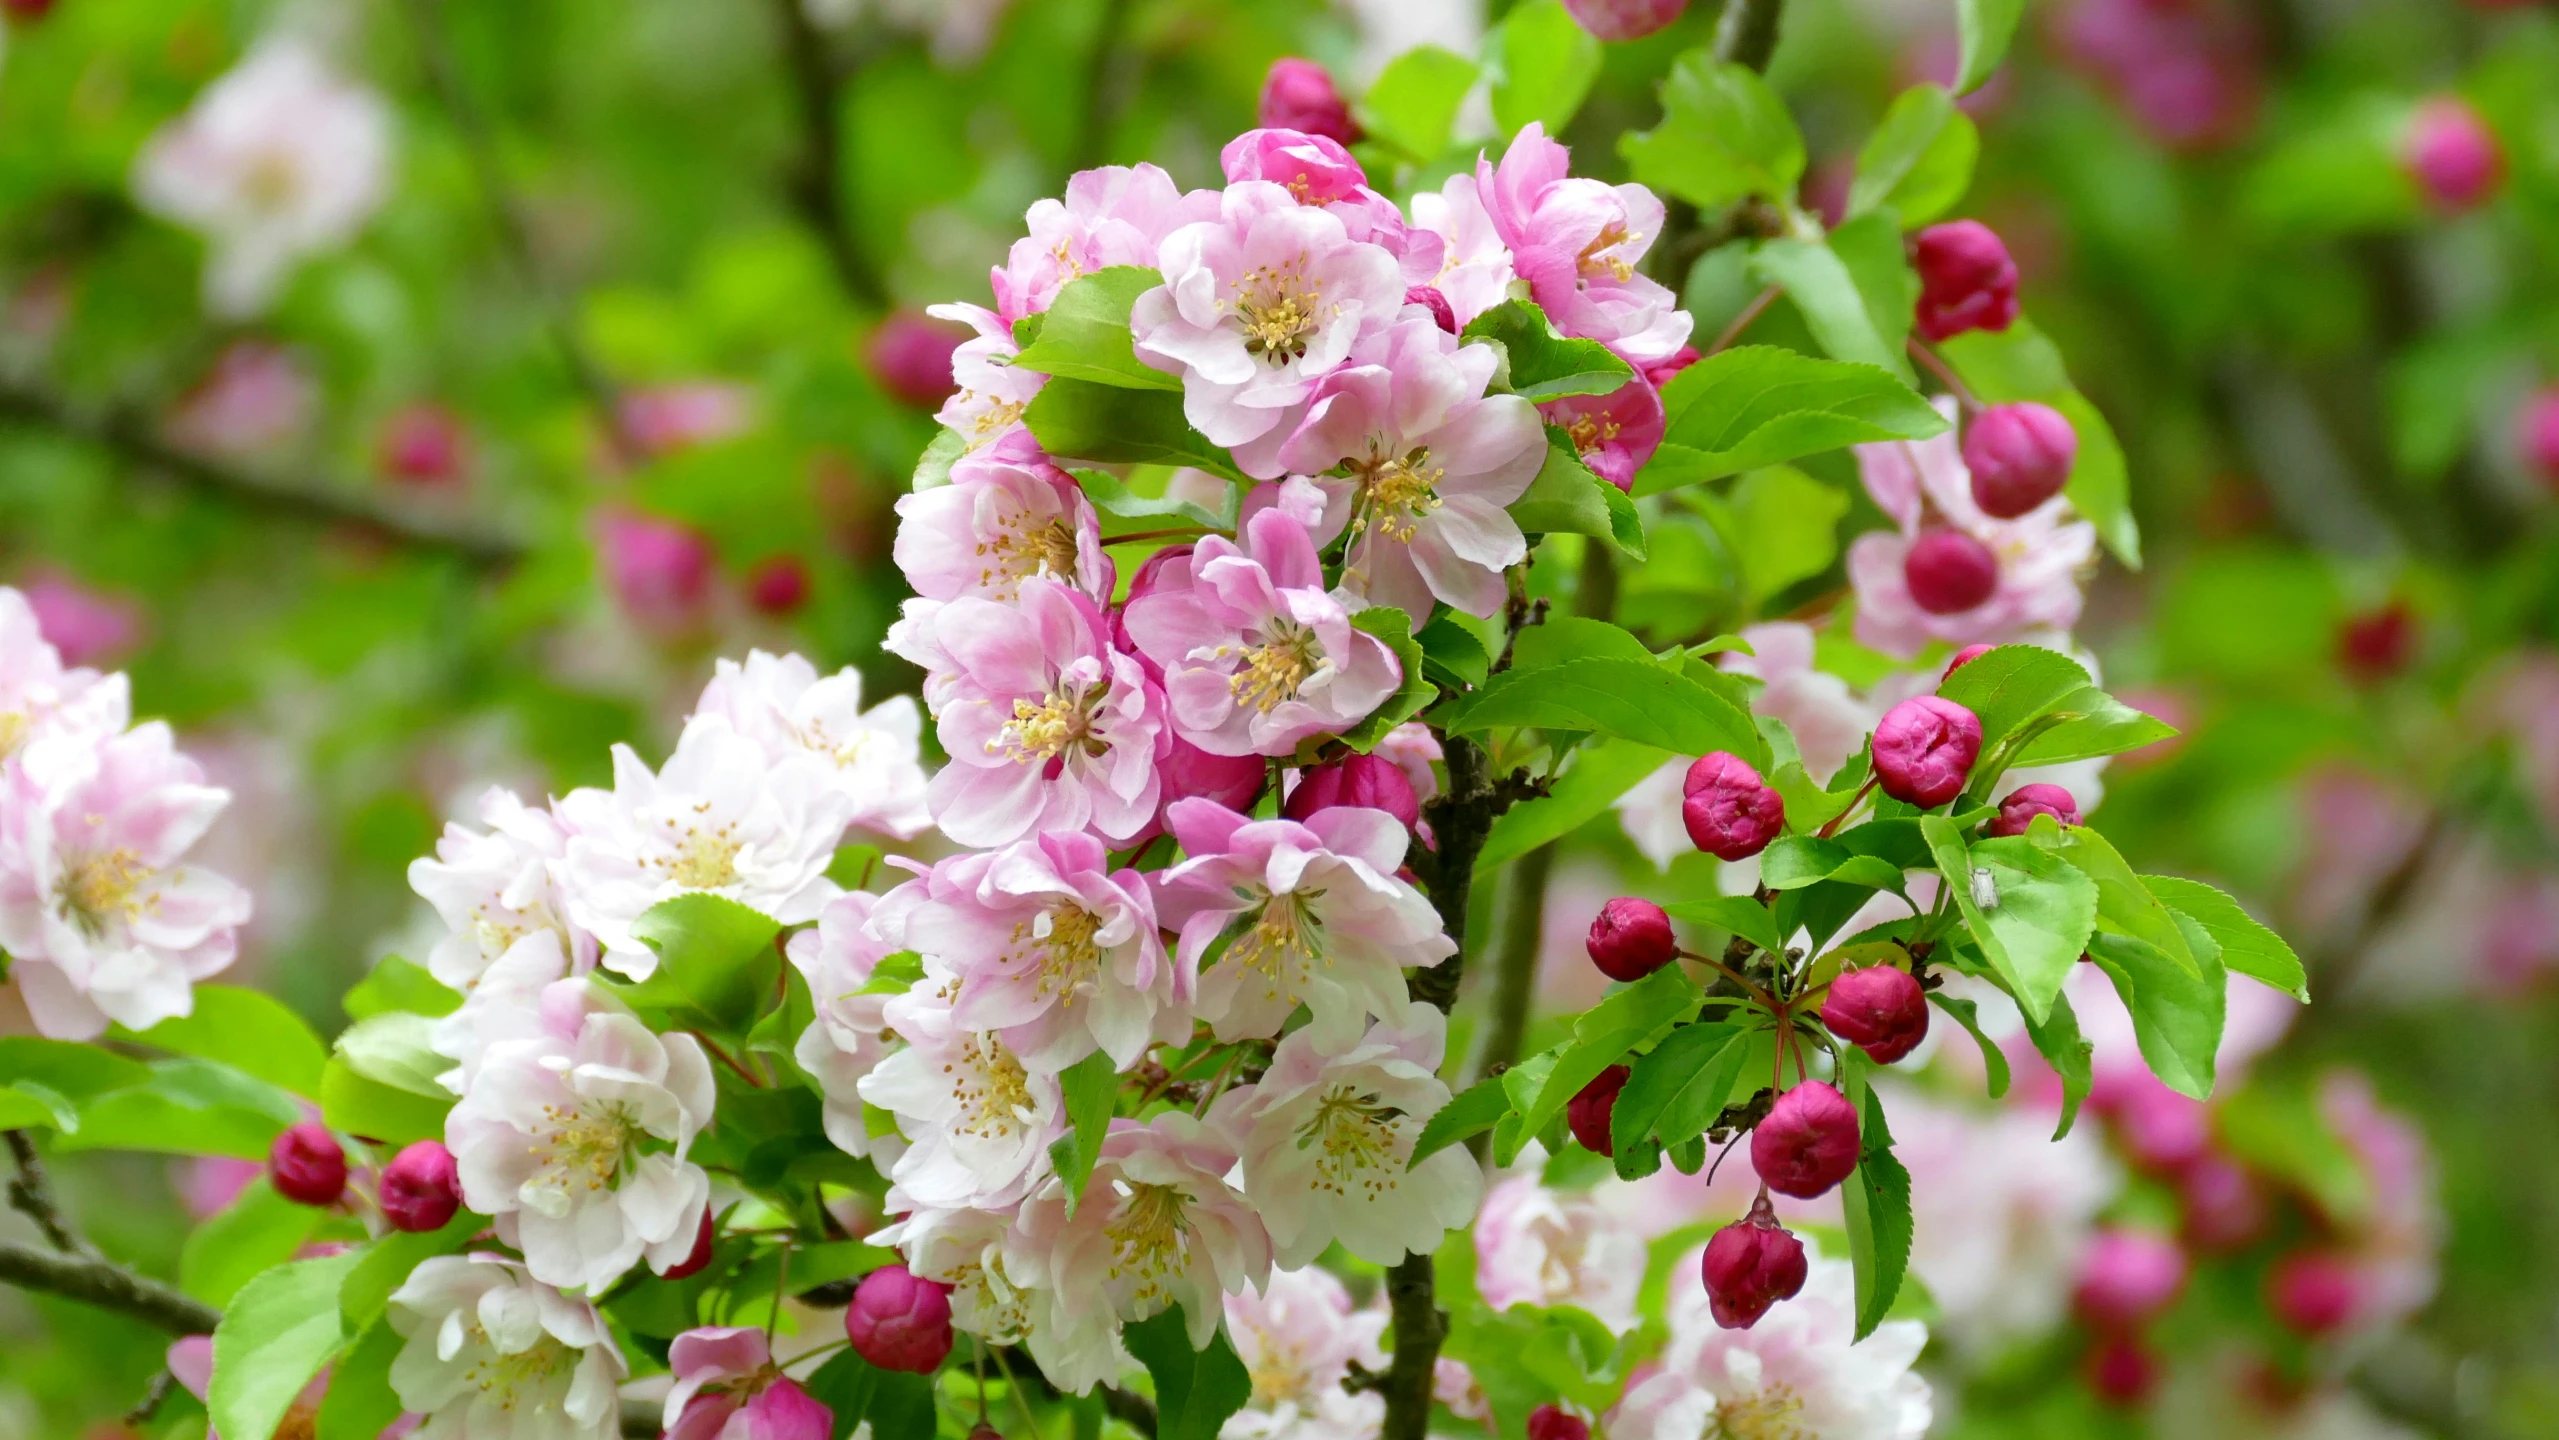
844, 1385
1085, 334
1781, 525
1195, 1390
1566, 498
1543, 65
1452, 656
279, 1330
1413, 104
360, 1403
50, 1081
1469, 1113
256, 1231
718, 954
902, 1407
1724, 136
2246, 946
1920, 159
1792, 862
1757, 405
187, 1107
2125, 906
1113, 498
1993, 1059
1986, 27
1543, 364
1653, 1004
251, 1032
1394, 627
2011, 685
2176, 1011
1832, 307
397, 984
1677, 1091
2098, 724
396, 1049
2040, 915
1080, 420
388, 1261
2057, 1039
1520, 1084
1600, 772
1563, 639
1740, 914
1875, 1206
1092, 1089
360, 1106
1872, 249
933, 467
1634, 700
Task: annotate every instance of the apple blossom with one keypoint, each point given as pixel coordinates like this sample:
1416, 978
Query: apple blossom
727, 1387
1300, 95
1298, 1339
722, 817
1614, 434
39, 694
1317, 171
493, 889
996, 1299
2127, 1277
1577, 243
1469, 265
1311, 913
1545, 1247
1110, 216
848, 1039
1007, 515
1326, 1135
993, 391
490, 1351
506, 1003
874, 756
575, 1142
87, 626
978, 1121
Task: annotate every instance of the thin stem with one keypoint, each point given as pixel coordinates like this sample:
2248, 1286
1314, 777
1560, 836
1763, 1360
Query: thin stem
1747, 33
1515, 960
152, 1399
817, 176
1936, 365
93, 1280
829, 1348
1020, 1400
1176, 532
1854, 801
32, 1197
781, 1292
1135, 1411
1749, 315
723, 1057
1757, 992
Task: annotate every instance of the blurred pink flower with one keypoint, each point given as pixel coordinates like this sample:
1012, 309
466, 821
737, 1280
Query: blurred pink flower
257, 397
662, 419
658, 570
1536, 1246
1114, 215
89, 627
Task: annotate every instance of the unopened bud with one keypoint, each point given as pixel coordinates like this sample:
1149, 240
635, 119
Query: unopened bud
1966, 280
421, 1188
1588, 1112
700, 1259
1730, 812
1553, 1422
2024, 803
1617, 20
660, 571
422, 444
1631, 939
910, 358
1881, 1010
900, 1321
778, 586
1949, 572
308, 1165
2160, 1130
2122, 1370
1964, 657
2222, 1207
2019, 456
1430, 298
784, 1411
2313, 1293
1807, 1143
2127, 1277
1364, 780
2452, 154
2537, 431
1924, 750
1300, 95
1750, 1265
2379, 643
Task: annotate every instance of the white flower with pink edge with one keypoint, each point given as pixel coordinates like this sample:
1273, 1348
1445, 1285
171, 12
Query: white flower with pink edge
874, 756
1298, 1339
1114, 215
849, 1038
40, 696
1007, 515
978, 1121
993, 391
1535, 1246
493, 1354
492, 889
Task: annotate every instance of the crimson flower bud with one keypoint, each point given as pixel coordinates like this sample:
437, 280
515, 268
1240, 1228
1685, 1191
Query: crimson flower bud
1750, 1265
700, 1259
2223, 1208
2019, 457
2313, 1293
983, 1431
1964, 657
1615, 20
899, 1320
1730, 813
421, 1190
2127, 1277
1880, 1010
1430, 298
784, 1411
1631, 939
2452, 154
1554, 1422
2160, 1130
28, 10
1924, 750
422, 444
1300, 95
2122, 1370
2379, 643
1588, 1112
659, 571
1370, 780
910, 358
308, 1165
2537, 430
778, 586
2028, 801
1234, 781
1949, 572
1661, 372
1966, 280
1808, 1143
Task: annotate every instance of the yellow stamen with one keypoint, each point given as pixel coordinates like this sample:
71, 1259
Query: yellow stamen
1279, 311
1768, 1415
1015, 555
1063, 720
1358, 1136
1060, 944
1593, 261
705, 856
1590, 433
97, 889
1283, 940
1146, 1240
1274, 670
992, 1088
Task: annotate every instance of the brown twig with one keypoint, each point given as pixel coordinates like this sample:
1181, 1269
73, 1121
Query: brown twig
1747, 33
1749, 315
152, 1398
1936, 365
93, 1280
30, 1196
817, 175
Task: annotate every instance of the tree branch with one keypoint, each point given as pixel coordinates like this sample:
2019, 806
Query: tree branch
130, 434
32, 1197
1135, 1411
1101, 100
817, 179
107, 1285
1747, 33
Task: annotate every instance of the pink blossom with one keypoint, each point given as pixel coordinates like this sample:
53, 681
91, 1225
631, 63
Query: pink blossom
1298, 1339
212, 1182
1055, 952
1007, 515
849, 1038
256, 398
662, 419
1317, 171
39, 695
2041, 554
2392, 1243
997, 1293
87, 626
1419, 464
423, 444
1577, 243
1318, 916
873, 758
727, 1387
993, 392
100, 913
1414, 750
659, 571
494, 889
1616, 433
1535, 1246
1256, 654
1257, 305
978, 1120
1454, 248
1327, 1134
1114, 215
1047, 725
1827, 719
1159, 1226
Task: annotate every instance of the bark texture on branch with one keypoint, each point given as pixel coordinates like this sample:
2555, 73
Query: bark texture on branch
107, 1285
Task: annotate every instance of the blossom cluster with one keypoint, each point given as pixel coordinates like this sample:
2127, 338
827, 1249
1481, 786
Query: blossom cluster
103, 919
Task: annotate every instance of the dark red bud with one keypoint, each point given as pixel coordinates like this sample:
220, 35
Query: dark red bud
1554, 1422
1588, 1112
1730, 813
778, 586
422, 444
308, 1165
2537, 432
2313, 1293
1617, 20
2024, 803
421, 1189
694, 1263
910, 358
1366, 780
2453, 155
2379, 643
2122, 1370
900, 1321
1808, 1143
2223, 1208
1924, 750
1300, 95
1750, 1265
1880, 1010
1966, 280
1661, 372
1430, 298
2019, 456
1949, 572
1964, 657
1631, 939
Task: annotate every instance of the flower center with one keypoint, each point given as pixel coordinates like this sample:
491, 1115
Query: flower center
997, 1312
1274, 670
1015, 555
14, 725
501, 1377
1280, 1373
1594, 258
273, 182
1358, 1133
1146, 1239
1766, 1415
98, 889
703, 858
998, 417
1397, 491
1283, 939
1591, 433
1060, 942
1278, 309
580, 1146
1063, 720
992, 1089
